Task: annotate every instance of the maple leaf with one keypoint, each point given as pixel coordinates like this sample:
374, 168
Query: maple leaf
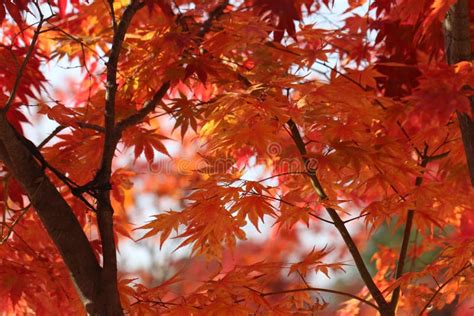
290, 216
185, 113
60, 113
312, 261
120, 183
163, 224
254, 207
145, 141
126, 291
252, 203
285, 13
356, 3
164, 5
32, 79
144, 293
444, 95
367, 78
16, 118
209, 231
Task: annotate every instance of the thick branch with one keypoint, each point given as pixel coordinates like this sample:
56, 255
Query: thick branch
44, 164
338, 223
55, 214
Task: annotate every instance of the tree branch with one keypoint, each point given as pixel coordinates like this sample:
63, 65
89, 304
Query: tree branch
44, 164
51, 136
457, 33
406, 236
317, 289
94, 127
113, 133
11, 227
338, 223
468, 265
143, 112
111, 137
28, 55
108, 291
150, 105
55, 214
112, 14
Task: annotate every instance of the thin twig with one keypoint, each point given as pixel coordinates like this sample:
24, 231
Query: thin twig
147, 109
51, 136
15, 222
217, 12
355, 218
282, 174
290, 204
303, 279
94, 127
468, 265
27, 58
321, 219
313, 289
112, 14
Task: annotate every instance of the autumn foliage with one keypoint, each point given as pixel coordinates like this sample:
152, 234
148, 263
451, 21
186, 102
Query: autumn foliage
305, 160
